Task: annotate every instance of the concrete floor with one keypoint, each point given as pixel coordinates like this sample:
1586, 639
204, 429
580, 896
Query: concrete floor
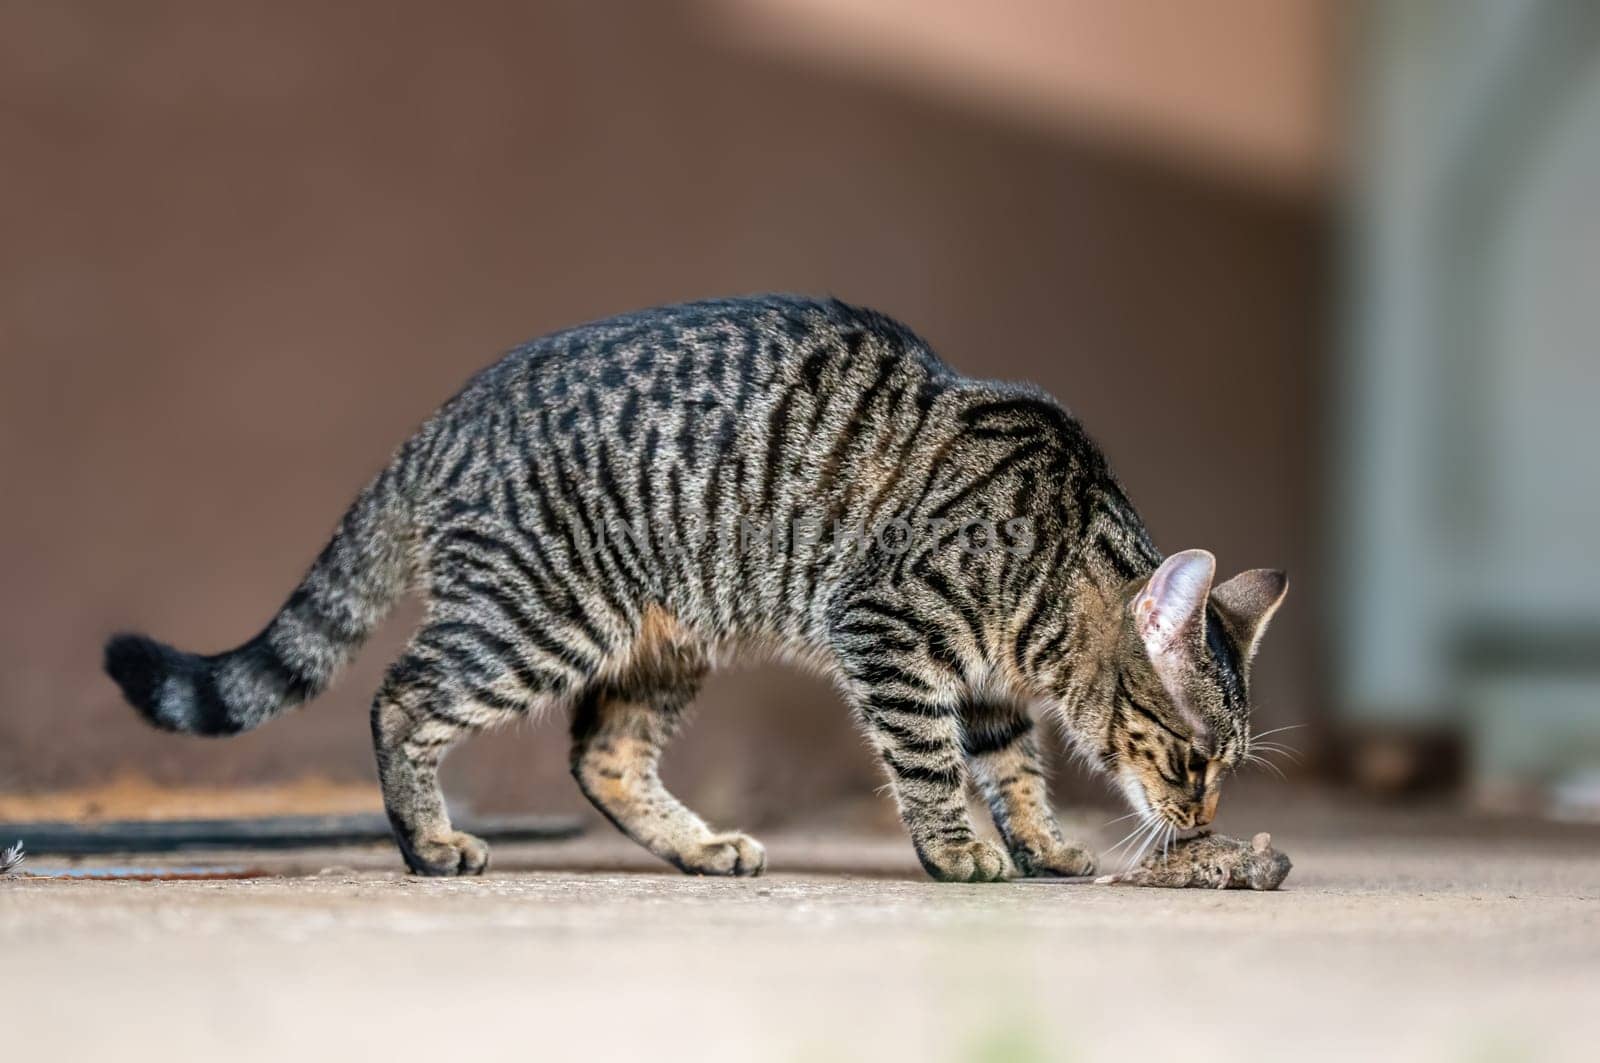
1395, 938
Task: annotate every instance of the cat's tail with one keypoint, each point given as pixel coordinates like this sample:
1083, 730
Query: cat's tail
350, 588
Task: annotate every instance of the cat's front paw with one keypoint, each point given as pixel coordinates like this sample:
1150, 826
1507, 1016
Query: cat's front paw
723, 854
456, 853
968, 861
1059, 859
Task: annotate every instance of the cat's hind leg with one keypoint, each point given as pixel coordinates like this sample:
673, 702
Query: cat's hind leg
415, 721
455, 678
1003, 753
618, 733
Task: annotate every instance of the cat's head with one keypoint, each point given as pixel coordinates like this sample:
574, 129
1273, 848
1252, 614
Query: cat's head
1180, 712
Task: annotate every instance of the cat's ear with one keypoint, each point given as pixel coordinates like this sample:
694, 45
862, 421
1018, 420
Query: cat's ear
1247, 602
1170, 610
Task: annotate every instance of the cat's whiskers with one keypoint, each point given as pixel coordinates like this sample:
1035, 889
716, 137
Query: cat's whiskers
1262, 762
1282, 751
1129, 861
1258, 751
1144, 823
1153, 827
1149, 843
1147, 822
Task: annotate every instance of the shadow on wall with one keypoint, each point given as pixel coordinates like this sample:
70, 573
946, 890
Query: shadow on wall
248, 250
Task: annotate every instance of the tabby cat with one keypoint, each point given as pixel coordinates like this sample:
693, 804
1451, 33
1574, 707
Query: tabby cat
601, 516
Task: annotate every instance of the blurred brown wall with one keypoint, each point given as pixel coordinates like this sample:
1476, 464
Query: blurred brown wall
247, 246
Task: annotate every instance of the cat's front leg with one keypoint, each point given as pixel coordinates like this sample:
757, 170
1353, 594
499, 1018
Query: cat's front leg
920, 743
920, 748
1003, 753
917, 733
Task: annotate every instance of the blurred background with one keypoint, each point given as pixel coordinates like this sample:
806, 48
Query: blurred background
1319, 276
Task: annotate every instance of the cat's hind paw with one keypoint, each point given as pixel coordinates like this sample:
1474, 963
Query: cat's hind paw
723, 854
456, 853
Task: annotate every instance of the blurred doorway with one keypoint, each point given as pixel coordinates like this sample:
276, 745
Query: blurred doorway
1468, 513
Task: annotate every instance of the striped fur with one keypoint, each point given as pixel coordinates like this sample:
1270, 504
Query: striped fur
585, 523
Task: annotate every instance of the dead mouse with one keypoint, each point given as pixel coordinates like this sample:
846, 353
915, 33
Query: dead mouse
1211, 861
